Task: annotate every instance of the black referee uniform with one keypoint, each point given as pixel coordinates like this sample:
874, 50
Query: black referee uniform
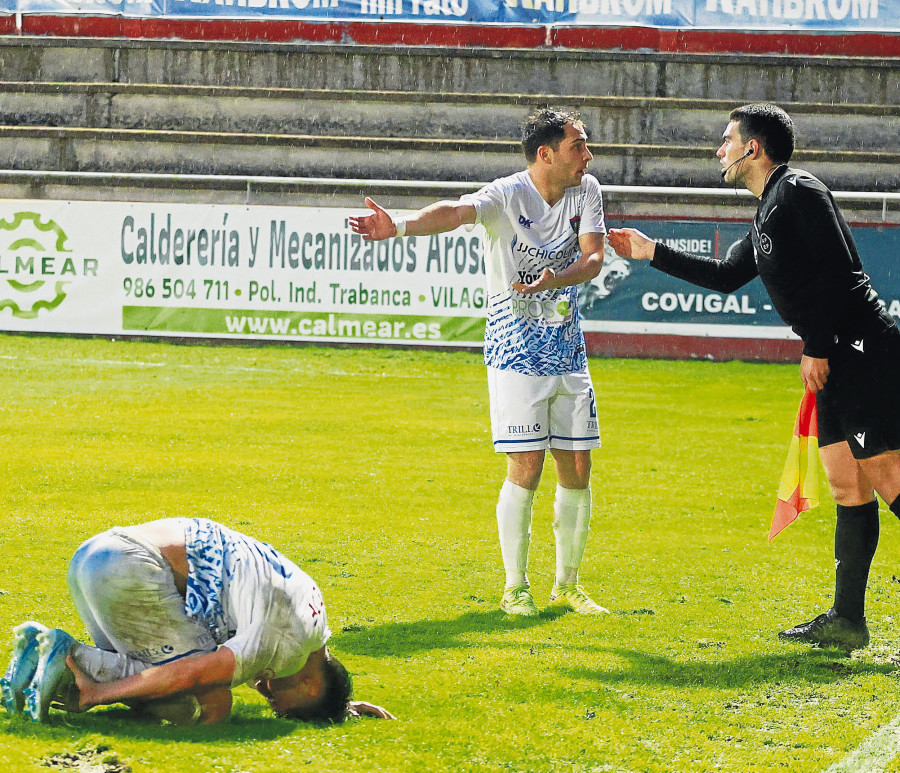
802, 249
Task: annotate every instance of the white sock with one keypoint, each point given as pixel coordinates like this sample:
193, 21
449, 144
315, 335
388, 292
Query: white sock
514, 527
105, 666
571, 526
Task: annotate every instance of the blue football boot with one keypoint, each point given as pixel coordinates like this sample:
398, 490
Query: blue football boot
22, 666
53, 647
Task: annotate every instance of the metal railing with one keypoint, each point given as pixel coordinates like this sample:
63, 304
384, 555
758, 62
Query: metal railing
249, 183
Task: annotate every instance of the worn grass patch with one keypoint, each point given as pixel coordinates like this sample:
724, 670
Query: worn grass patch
374, 471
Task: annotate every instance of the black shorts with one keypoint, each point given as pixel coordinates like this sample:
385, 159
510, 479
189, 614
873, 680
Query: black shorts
861, 399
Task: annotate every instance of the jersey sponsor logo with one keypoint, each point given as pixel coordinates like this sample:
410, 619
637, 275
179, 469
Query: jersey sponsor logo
575, 222
522, 429
553, 310
858, 345
527, 277
525, 222
860, 438
765, 244
540, 254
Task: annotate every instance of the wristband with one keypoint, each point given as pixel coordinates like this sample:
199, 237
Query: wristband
400, 223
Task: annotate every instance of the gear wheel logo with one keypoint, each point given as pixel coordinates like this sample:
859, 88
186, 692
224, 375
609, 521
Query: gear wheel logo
28, 241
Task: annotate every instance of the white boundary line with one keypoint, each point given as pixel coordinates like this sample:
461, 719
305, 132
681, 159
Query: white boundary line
692, 329
872, 754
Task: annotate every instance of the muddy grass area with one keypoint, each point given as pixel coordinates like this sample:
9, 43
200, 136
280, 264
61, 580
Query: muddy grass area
100, 760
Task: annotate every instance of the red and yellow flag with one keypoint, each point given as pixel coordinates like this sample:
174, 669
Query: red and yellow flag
799, 488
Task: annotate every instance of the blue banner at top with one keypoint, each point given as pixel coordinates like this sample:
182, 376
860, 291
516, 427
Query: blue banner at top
822, 15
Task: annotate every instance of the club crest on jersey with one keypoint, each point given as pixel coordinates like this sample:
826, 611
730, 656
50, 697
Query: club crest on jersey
525, 222
575, 222
765, 244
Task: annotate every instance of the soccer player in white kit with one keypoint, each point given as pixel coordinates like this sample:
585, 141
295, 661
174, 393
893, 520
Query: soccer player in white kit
181, 611
546, 235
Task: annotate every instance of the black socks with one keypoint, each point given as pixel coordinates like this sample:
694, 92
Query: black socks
855, 540
895, 507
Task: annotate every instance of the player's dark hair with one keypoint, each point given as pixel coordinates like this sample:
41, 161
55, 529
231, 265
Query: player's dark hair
770, 126
546, 127
336, 692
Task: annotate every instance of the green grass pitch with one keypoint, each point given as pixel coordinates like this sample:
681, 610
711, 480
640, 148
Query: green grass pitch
374, 471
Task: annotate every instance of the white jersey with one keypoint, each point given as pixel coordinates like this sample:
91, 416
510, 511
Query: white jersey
539, 334
255, 601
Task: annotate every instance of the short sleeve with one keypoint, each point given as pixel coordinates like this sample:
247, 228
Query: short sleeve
592, 219
489, 203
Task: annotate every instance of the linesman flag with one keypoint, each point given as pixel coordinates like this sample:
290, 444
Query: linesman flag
799, 488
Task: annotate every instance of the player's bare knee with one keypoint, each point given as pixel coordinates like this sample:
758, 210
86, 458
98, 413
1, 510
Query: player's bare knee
573, 468
524, 468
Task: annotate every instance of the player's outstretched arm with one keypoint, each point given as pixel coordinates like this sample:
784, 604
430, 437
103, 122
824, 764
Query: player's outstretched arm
375, 227
631, 243
433, 219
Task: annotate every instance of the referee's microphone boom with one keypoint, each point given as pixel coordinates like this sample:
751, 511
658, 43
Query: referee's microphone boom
748, 152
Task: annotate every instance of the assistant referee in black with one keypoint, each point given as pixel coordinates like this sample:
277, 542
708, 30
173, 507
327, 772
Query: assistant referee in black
802, 250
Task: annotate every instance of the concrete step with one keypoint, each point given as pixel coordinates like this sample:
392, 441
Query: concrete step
139, 150
736, 77
630, 120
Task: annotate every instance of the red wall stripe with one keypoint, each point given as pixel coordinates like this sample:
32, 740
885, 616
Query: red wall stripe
868, 44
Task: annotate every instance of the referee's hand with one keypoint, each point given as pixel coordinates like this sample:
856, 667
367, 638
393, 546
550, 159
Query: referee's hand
814, 372
631, 243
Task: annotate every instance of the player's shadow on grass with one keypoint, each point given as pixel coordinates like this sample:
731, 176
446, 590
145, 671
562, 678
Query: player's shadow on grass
632, 667
402, 639
251, 723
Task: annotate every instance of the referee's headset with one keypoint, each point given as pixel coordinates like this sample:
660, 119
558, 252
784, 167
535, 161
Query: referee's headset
749, 152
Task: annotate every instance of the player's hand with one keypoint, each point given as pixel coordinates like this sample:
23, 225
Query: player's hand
814, 372
541, 283
363, 709
631, 243
83, 685
374, 227
66, 697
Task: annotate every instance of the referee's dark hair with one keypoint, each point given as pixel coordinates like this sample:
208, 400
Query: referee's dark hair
769, 125
546, 127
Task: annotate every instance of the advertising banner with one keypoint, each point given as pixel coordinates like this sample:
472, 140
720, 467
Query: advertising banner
840, 15
233, 272
300, 274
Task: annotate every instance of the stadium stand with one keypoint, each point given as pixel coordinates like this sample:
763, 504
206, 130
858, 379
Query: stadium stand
327, 121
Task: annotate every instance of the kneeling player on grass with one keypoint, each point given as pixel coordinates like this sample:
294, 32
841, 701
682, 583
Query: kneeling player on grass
546, 235
182, 610
803, 251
